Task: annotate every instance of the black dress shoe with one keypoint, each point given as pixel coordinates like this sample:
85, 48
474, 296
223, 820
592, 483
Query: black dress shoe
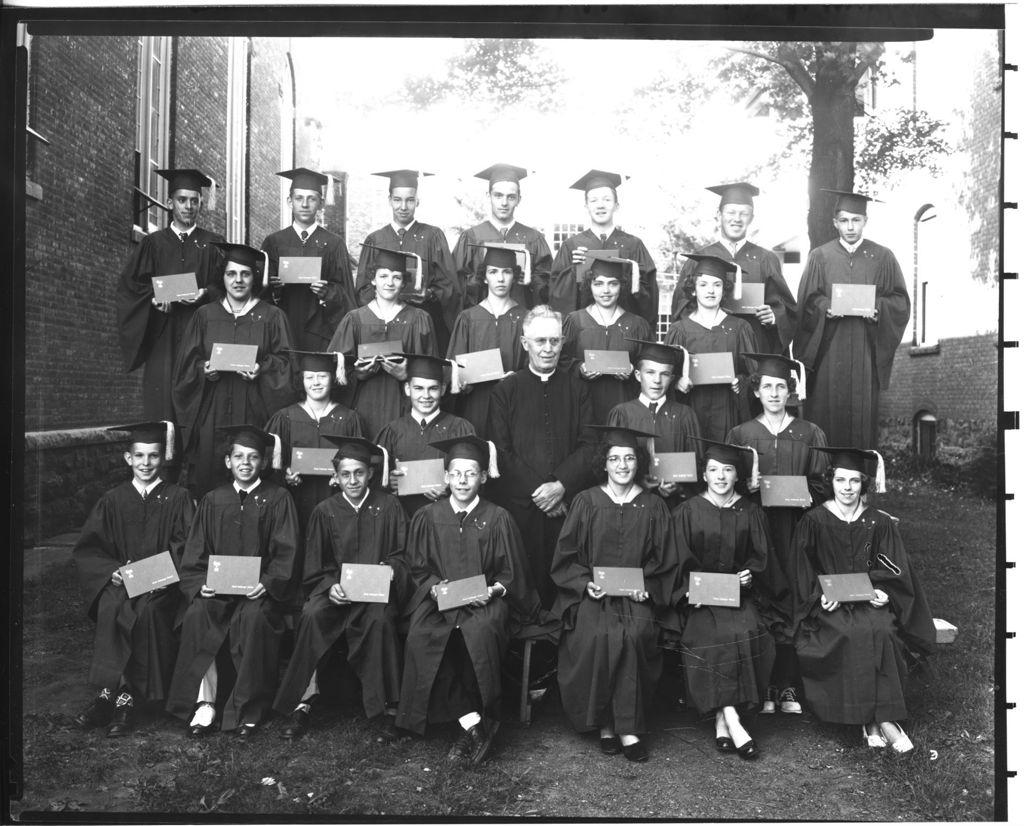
298, 723
246, 731
462, 749
725, 744
610, 745
636, 752
749, 750
121, 723
389, 732
97, 713
482, 735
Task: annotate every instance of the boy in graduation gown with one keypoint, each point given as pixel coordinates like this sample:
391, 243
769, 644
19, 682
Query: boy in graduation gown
134, 645
601, 199
439, 293
364, 525
453, 657
313, 310
849, 358
248, 517
408, 438
537, 420
151, 331
675, 425
505, 196
775, 321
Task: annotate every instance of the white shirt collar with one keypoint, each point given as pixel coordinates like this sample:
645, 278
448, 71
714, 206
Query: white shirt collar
188, 232
419, 417
501, 229
605, 231
359, 504
249, 489
147, 489
299, 229
646, 402
541, 376
248, 305
850, 249
469, 509
734, 249
408, 228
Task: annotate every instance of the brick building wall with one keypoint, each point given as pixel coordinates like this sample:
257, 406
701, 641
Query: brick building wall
267, 76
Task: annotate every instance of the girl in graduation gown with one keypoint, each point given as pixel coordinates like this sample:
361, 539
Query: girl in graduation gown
375, 390
495, 323
727, 651
604, 325
706, 328
206, 399
851, 654
609, 659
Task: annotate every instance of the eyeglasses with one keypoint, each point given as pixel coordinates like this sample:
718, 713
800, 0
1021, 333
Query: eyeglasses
622, 460
468, 475
554, 341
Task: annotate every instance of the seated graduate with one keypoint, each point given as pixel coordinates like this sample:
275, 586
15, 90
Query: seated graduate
609, 660
409, 437
852, 653
727, 651
360, 524
134, 645
248, 517
453, 657
675, 425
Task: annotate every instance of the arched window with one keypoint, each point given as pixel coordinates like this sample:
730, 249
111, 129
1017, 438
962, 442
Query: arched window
925, 434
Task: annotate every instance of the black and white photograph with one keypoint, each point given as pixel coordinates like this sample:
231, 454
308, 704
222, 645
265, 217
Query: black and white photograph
588, 412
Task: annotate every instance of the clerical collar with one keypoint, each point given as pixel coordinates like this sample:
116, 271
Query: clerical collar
145, 490
419, 417
407, 228
850, 249
186, 232
733, 246
356, 505
299, 229
469, 509
249, 489
646, 402
541, 376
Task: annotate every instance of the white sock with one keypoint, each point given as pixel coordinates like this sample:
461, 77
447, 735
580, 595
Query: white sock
467, 721
208, 685
312, 688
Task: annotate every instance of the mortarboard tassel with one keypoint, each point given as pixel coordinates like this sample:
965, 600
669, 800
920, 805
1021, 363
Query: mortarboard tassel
650, 449
492, 461
737, 287
418, 283
801, 380
685, 374
755, 471
266, 268
339, 371
456, 378
169, 446
527, 273
879, 473
275, 461
212, 204
635, 275
329, 199
384, 469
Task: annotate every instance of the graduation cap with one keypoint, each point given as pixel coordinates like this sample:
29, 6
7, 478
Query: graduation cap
616, 268
470, 447
430, 368
719, 268
740, 457
397, 261
850, 201
150, 433
502, 172
362, 450
403, 177
780, 367
256, 260
739, 193
191, 179
868, 462
657, 352
596, 178
497, 256
250, 436
303, 178
321, 363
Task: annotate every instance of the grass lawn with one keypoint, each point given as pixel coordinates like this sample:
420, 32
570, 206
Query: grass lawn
808, 770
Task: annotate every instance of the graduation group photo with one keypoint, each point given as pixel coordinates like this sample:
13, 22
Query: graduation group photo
575, 426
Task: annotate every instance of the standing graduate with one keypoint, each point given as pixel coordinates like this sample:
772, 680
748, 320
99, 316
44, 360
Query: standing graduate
453, 657
375, 384
206, 399
604, 325
134, 645
849, 357
495, 323
706, 328
852, 656
363, 525
313, 310
568, 293
609, 659
248, 517
774, 323
151, 331
537, 419
504, 192
410, 437
439, 293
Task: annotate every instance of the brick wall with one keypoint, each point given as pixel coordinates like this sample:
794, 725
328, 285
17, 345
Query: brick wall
267, 68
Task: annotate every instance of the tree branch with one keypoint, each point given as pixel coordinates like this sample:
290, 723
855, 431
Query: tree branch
794, 68
869, 57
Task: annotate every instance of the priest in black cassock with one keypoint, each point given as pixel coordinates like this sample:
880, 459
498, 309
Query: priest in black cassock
151, 331
568, 293
849, 357
438, 290
538, 419
363, 525
774, 323
313, 309
247, 517
134, 645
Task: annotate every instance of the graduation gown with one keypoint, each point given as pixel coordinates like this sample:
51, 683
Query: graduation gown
582, 332
438, 548
443, 298
406, 441
312, 319
203, 404
718, 409
849, 360
265, 526
566, 295
469, 260
760, 266
134, 637
538, 428
851, 659
379, 398
477, 329
147, 336
727, 652
609, 660
787, 454
339, 534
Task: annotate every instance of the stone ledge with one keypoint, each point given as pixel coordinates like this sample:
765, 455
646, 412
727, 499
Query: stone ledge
926, 350
80, 437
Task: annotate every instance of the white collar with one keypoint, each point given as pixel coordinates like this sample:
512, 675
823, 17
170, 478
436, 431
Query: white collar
469, 509
646, 402
850, 249
148, 489
299, 229
542, 376
605, 231
418, 417
188, 232
407, 228
238, 488
248, 306
501, 229
729, 245
359, 504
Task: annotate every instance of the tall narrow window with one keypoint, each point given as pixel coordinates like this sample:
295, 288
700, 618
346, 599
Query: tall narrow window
152, 131
287, 146
237, 139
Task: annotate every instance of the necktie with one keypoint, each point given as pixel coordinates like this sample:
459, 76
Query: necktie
462, 518
145, 495
241, 496
401, 235
504, 234
183, 236
604, 238
654, 408
303, 236
423, 425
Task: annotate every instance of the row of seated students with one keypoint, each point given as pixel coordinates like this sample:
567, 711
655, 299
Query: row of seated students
610, 645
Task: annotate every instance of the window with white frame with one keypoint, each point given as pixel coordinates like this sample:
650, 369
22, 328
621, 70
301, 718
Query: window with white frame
152, 131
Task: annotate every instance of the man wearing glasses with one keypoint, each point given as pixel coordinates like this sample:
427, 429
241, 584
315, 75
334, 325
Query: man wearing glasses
537, 419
